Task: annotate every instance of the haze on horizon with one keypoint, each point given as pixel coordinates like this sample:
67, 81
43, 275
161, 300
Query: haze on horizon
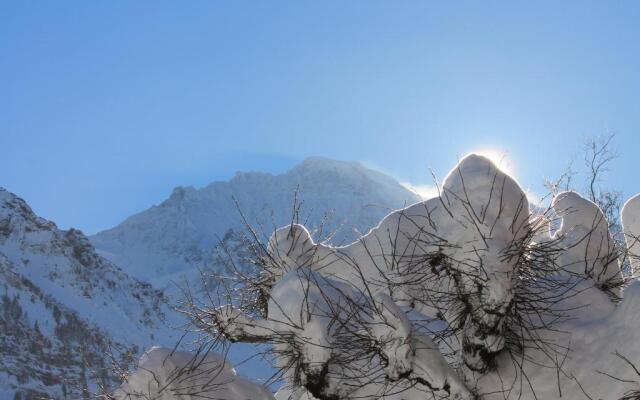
106, 107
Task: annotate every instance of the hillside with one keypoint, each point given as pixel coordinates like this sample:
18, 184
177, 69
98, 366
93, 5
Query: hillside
64, 308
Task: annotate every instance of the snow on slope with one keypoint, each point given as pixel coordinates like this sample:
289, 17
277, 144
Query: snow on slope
180, 233
45, 347
59, 296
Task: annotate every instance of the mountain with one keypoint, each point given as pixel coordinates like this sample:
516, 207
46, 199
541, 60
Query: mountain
64, 307
179, 235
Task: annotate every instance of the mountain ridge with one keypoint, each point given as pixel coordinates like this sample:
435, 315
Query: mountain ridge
179, 233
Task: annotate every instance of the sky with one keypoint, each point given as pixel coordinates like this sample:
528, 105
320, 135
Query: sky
106, 106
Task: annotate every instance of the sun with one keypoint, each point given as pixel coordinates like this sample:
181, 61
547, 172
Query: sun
500, 158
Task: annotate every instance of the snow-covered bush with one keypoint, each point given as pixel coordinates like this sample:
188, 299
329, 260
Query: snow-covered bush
631, 229
589, 248
167, 374
467, 295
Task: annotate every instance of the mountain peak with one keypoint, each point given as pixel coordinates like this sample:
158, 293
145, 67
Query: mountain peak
319, 164
15, 214
13, 202
325, 162
179, 194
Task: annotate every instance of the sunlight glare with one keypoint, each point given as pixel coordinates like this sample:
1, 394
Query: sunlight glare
500, 158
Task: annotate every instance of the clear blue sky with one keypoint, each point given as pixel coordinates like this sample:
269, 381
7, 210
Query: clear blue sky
106, 106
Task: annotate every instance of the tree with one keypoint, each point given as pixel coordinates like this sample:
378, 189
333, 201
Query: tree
598, 155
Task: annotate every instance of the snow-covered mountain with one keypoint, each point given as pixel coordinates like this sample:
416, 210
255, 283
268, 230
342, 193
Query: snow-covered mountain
64, 307
179, 235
